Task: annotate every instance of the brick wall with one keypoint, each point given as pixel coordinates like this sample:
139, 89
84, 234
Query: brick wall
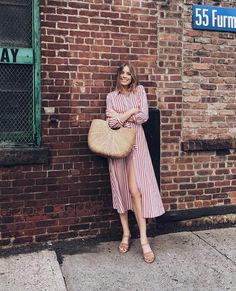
196, 93
82, 43
209, 84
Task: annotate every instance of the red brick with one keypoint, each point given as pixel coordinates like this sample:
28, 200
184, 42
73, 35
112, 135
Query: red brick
22, 240
82, 45
45, 238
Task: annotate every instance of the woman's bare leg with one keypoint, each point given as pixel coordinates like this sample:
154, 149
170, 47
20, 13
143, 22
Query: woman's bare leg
137, 205
126, 232
125, 223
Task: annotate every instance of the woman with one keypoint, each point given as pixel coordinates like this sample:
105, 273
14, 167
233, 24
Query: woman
133, 180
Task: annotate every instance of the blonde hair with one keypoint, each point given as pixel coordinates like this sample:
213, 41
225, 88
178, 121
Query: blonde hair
134, 80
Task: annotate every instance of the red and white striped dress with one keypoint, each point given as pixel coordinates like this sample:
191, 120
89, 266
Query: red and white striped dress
145, 177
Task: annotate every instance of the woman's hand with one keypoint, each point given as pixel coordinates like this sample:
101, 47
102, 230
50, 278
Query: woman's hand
131, 119
135, 110
111, 113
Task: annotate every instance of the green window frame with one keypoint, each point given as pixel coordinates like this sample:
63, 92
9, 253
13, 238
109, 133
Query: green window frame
20, 106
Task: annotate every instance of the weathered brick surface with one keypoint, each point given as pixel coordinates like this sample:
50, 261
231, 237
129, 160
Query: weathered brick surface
82, 43
189, 75
196, 92
209, 83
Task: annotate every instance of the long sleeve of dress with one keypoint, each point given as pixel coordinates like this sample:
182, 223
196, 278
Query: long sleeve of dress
141, 116
113, 122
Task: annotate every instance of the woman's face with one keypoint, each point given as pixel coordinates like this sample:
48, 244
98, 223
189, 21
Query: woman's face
125, 77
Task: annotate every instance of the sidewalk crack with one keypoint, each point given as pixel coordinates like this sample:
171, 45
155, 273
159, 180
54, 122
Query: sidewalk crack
212, 246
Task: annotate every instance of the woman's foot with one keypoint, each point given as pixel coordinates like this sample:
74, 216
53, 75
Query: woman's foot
124, 244
148, 254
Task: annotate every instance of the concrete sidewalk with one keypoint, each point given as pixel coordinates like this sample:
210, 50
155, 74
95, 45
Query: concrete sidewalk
194, 260
38, 271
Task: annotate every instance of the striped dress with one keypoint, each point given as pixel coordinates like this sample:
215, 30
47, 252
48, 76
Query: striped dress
145, 177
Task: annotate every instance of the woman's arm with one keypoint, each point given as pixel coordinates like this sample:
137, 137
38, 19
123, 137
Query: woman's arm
141, 116
135, 115
122, 117
115, 119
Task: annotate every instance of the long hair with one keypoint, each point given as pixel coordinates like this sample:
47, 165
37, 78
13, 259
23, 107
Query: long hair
134, 79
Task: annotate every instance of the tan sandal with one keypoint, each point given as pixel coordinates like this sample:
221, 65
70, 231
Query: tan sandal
124, 247
148, 257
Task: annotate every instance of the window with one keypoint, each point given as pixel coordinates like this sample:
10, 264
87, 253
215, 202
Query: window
19, 73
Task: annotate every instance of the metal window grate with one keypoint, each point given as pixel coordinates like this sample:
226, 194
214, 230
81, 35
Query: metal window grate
16, 23
17, 108
17, 101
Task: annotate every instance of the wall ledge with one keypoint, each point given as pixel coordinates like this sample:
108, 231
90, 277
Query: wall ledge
208, 145
23, 156
193, 213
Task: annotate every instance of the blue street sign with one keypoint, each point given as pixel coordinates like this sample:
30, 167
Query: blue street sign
214, 18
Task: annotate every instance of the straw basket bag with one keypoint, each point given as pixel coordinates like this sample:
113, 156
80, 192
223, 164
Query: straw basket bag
110, 143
